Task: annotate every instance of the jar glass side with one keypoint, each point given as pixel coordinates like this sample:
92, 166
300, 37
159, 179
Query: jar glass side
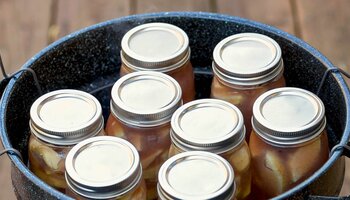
240, 160
47, 161
152, 144
243, 97
277, 169
183, 75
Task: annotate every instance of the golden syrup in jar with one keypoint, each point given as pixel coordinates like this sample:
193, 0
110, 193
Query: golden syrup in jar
214, 126
289, 141
104, 167
141, 108
246, 65
196, 175
159, 47
59, 120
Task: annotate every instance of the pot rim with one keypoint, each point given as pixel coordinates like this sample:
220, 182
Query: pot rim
195, 15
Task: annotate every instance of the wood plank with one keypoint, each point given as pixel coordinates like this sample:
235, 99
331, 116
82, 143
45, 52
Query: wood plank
326, 27
74, 15
345, 191
272, 12
23, 30
145, 6
6, 190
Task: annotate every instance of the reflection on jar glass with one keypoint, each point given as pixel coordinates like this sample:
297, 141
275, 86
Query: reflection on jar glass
104, 167
159, 47
214, 126
246, 65
141, 108
196, 175
59, 120
289, 141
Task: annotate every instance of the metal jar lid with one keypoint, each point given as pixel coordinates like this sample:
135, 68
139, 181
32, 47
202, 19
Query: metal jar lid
155, 46
288, 116
145, 99
66, 117
196, 175
103, 167
207, 125
247, 59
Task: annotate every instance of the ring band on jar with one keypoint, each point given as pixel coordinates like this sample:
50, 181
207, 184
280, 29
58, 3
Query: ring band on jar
141, 108
159, 47
196, 175
104, 167
59, 120
289, 141
246, 65
214, 126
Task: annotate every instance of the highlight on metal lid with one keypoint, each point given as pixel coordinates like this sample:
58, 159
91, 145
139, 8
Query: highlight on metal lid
145, 98
196, 175
288, 116
155, 46
247, 59
66, 117
103, 167
207, 125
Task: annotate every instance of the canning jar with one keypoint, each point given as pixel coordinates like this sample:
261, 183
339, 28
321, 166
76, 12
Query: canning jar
59, 120
159, 47
214, 126
246, 65
289, 141
196, 175
104, 167
141, 108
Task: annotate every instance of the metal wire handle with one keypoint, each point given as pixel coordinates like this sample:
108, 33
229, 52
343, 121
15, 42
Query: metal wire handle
325, 75
12, 151
36, 81
337, 147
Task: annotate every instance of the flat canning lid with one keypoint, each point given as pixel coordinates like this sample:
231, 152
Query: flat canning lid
196, 175
103, 167
207, 125
288, 116
155, 46
247, 59
66, 117
145, 99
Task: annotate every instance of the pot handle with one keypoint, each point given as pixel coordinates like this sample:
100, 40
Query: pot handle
5, 81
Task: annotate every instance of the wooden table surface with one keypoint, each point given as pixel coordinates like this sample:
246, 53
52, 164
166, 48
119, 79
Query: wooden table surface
28, 26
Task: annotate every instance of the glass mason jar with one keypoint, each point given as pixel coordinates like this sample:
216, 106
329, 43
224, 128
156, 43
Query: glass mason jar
59, 120
196, 175
246, 65
104, 167
214, 126
141, 108
289, 141
159, 47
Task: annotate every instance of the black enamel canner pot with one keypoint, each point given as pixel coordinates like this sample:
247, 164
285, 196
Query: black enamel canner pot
89, 60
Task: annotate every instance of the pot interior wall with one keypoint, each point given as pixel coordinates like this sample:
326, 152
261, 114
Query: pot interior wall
91, 59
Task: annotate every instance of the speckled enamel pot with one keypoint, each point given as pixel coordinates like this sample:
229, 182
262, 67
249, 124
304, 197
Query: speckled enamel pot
89, 59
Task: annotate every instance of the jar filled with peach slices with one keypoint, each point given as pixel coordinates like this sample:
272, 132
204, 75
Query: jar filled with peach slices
104, 167
196, 175
59, 120
141, 108
289, 141
214, 126
159, 47
246, 65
